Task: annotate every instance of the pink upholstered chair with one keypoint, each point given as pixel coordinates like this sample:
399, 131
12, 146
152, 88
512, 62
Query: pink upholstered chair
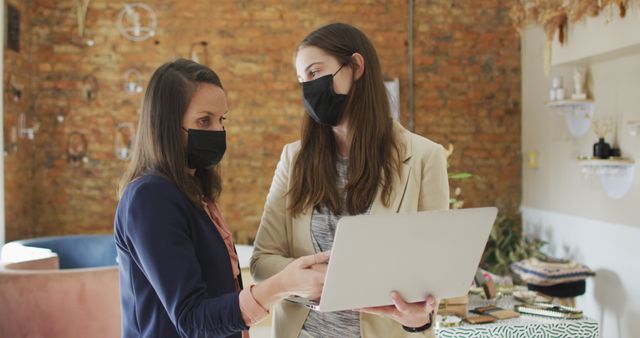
37, 299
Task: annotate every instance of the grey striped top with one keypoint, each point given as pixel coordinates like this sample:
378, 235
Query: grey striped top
343, 324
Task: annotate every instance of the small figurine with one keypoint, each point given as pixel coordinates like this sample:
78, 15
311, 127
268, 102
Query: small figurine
578, 84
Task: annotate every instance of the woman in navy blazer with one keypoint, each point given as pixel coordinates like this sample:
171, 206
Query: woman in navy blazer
179, 272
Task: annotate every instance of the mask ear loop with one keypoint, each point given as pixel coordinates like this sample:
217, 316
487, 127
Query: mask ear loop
339, 69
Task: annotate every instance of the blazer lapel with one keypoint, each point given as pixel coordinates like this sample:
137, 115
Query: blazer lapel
301, 228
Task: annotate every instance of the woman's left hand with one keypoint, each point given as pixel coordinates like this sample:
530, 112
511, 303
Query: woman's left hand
407, 314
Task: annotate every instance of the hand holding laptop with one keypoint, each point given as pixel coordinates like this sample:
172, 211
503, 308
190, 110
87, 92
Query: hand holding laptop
408, 314
305, 276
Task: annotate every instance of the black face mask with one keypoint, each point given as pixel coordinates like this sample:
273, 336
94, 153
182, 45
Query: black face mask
205, 148
321, 102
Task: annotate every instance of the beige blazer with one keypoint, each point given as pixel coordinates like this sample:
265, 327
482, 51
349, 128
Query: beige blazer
421, 185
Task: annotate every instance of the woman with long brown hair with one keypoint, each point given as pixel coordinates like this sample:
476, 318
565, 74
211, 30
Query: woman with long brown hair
352, 159
179, 271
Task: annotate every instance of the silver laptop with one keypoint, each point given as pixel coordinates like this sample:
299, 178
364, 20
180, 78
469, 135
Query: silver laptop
416, 254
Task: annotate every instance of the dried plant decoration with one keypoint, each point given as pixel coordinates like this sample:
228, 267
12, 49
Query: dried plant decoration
556, 15
81, 7
77, 148
124, 137
603, 125
81, 13
199, 52
580, 9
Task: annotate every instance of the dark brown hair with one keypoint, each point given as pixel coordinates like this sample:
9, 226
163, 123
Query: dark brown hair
374, 151
159, 146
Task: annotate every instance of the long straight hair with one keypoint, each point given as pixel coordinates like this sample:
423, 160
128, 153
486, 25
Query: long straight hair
374, 151
159, 145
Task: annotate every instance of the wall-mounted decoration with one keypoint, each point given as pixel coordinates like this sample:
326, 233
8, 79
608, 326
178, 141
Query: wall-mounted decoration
137, 21
577, 114
634, 128
81, 14
77, 148
132, 82
13, 28
14, 89
10, 140
51, 105
198, 52
125, 134
556, 16
89, 88
616, 176
127, 111
23, 130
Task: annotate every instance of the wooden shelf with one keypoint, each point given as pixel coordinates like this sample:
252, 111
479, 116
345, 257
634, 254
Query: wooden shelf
616, 175
565, 103
577, 114
598, 162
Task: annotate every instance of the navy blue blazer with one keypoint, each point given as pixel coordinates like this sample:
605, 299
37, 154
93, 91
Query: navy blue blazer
175, 273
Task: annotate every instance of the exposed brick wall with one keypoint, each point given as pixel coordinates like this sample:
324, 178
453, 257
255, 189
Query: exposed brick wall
466, 90
18, 160
467, 75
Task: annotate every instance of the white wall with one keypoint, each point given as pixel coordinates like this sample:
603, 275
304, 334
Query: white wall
571, 210
611, 250
2, 226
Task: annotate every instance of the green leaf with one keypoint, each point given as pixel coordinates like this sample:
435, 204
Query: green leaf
459, 176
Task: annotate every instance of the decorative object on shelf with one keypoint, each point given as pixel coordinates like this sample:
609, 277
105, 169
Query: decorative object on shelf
616, 176
77, 148
602, 127
81, 14
132, 82
579, 91
89, 88
577, 114
137, 21
601, 149
198, 52
557, 91
615, 152
49, 104
556, 15
124, 137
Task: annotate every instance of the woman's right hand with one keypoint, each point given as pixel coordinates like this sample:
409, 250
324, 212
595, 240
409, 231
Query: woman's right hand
304, 277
